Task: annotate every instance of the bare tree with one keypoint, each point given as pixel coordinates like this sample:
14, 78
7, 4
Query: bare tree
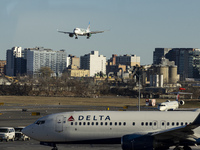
46, 72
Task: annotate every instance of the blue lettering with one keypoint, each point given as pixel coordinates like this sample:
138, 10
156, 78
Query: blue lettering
88, 117
80, 117
101, 117
108, 117
94, 118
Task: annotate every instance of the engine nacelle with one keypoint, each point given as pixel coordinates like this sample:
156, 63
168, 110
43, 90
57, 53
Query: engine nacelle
71, 35
89, 35
181, 102
137, 142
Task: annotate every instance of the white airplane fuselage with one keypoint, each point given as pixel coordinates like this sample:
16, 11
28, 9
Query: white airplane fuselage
171, 105
91, 126
80, 32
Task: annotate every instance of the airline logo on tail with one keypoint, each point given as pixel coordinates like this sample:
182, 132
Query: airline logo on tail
88, 28
178, 96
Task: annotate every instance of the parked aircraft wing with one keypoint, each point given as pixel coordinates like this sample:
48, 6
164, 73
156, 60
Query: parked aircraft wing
181, 133
179, 93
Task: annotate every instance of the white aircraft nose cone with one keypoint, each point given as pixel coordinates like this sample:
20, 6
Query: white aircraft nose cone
27, 131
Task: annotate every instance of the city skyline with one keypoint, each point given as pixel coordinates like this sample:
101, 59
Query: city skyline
136, 27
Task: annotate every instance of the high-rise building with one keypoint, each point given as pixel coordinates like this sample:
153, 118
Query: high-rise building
94, 62
186, 59
16, 63
128, 60
158, 54
2, 66
73, 62
39, 57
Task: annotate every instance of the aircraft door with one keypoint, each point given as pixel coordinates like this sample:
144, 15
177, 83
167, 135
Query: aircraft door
59, 123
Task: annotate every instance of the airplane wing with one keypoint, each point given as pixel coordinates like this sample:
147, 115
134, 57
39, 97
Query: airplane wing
66, 32
94, 32
179, 93
182, 134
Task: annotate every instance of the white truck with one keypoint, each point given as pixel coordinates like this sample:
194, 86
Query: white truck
7, 134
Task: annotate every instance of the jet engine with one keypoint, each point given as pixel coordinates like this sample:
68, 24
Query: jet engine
137, 142
181, 102
71, 35
89, 35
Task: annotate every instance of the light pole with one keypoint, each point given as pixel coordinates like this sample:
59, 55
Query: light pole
139, 96
139, 76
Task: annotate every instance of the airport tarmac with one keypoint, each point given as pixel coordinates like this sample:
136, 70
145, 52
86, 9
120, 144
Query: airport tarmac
33, 145
16, 115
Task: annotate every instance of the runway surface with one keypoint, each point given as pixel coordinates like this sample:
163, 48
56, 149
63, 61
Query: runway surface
13, 116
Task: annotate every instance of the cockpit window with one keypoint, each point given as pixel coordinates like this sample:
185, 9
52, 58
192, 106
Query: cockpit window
161, 105
39, 122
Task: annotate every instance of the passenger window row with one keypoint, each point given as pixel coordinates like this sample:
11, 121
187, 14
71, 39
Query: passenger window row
99, 123
164, 123
124, 123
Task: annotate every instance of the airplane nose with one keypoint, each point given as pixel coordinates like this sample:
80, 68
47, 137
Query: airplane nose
27, 131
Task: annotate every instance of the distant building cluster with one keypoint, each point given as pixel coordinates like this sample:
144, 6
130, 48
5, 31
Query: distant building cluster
170, 65
29, 61
187, 60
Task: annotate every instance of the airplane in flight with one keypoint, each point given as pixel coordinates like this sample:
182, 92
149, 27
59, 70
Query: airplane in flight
135, 130
81, 32
172, 105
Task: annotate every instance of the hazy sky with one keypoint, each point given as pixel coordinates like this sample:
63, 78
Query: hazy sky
136, 26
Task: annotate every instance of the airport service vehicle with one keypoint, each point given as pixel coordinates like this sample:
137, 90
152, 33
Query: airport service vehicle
135, 130
7, 133
81, 32
19, 135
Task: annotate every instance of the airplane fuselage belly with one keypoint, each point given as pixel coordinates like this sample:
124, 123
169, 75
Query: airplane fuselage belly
95, 133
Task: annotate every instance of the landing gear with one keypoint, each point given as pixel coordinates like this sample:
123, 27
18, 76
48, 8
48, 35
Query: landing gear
76, 37
88, 37
178, 148
54, 147
187, 147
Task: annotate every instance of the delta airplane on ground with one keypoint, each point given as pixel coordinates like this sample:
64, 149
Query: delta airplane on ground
172, 105
135, 130
81, 32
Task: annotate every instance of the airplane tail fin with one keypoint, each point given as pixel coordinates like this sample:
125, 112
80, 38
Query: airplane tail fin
177, 97
88, 28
